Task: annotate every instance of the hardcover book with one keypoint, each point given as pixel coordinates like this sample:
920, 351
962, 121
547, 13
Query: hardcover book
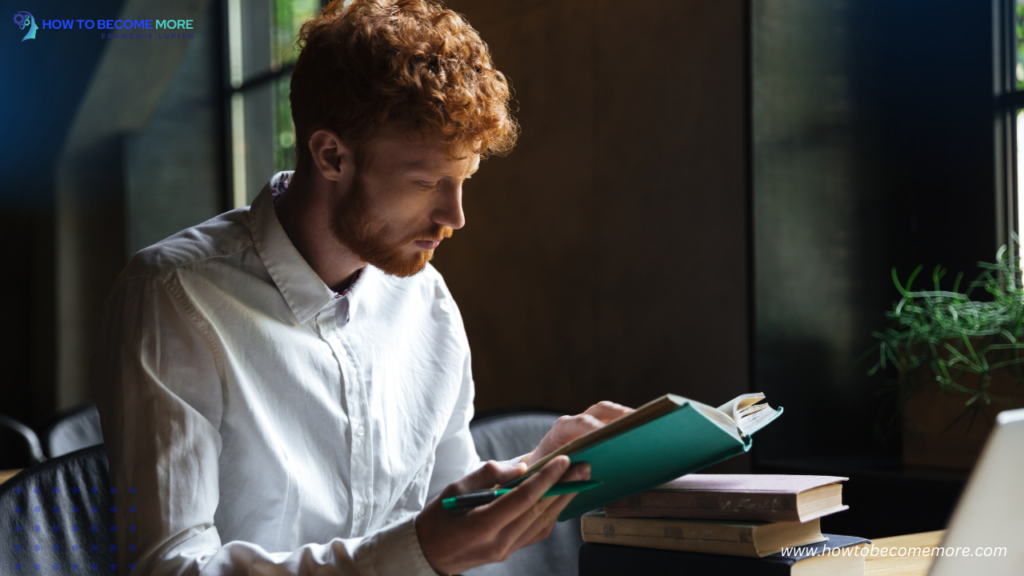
733, 538
837, 556
764, 497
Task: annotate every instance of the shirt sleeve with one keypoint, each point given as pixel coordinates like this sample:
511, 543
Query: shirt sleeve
158, 382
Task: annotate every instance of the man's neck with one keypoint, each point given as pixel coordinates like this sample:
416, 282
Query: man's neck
304, 212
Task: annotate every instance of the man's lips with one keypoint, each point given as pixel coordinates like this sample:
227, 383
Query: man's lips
428, 244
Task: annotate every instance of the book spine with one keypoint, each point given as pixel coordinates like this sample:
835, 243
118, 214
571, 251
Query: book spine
707, 506
724, 539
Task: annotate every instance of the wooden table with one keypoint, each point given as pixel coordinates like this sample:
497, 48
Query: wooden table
903, 565
6, 475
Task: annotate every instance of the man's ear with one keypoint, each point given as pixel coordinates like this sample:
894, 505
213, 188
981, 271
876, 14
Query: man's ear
330, 155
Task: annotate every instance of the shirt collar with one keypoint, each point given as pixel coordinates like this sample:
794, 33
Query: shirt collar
303, 290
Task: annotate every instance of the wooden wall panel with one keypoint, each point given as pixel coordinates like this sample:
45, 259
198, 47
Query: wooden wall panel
606, 258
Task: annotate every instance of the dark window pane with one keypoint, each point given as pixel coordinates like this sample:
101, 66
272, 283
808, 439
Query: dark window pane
256, 45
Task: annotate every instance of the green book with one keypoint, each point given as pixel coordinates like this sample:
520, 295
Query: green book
658, 442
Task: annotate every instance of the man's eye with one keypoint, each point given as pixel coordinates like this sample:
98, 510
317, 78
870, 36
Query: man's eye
426, 185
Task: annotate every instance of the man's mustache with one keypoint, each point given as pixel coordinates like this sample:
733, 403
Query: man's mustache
439, 233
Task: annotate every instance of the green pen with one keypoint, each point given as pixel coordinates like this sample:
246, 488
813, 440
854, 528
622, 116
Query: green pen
473, 499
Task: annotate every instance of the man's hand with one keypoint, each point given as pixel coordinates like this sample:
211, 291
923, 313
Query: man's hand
455, 541
569, 428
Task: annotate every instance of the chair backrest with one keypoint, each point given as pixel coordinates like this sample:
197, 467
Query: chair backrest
19, 445
56, 516
73, 430
503, 437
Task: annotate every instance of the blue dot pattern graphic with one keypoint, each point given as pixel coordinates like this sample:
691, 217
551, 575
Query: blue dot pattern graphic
64, 503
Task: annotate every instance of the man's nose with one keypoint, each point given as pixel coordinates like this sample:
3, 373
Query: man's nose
449, 212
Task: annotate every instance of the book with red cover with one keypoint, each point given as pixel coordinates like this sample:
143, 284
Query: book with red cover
762, 497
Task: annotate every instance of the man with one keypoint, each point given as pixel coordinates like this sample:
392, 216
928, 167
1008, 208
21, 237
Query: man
286, 388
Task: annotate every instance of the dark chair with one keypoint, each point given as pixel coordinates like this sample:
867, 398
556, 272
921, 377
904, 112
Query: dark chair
56, 516
72, 430
19, 445
503, 437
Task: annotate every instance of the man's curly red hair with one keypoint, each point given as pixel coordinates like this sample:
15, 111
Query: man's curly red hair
413, 62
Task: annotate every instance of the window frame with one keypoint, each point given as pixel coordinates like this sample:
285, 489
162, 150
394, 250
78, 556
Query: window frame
236, 86
1008, 102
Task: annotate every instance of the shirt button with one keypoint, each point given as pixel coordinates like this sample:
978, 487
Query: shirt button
362, 512
360, 431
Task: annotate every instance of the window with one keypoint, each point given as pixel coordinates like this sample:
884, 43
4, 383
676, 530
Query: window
261, 56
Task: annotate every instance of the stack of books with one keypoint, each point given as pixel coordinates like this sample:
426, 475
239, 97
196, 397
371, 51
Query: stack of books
722, 524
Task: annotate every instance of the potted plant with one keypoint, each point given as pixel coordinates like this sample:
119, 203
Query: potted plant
958, 362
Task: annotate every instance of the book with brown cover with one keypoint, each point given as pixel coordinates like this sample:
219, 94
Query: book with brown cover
731, 538
838, 556
761, 497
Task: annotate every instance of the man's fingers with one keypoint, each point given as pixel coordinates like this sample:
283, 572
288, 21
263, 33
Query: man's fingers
486, 477
572, 427
537, 522
542, 527
607, 411
522, 497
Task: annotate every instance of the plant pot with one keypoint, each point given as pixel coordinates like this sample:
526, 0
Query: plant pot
928, 411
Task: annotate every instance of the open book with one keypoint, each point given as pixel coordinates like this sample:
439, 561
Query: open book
658, 442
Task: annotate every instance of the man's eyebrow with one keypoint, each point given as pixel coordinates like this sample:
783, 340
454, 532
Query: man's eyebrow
426, 166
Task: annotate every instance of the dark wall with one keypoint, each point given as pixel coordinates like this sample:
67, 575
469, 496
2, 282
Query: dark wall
873, 147
41, 83
174, 168
144, 175
605, 258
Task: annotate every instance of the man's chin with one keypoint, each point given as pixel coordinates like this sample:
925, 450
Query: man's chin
402, 265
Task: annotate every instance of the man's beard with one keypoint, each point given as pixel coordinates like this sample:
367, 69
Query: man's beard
353, 226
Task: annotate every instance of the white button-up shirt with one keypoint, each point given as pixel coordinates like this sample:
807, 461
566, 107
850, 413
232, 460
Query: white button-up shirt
268, 425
